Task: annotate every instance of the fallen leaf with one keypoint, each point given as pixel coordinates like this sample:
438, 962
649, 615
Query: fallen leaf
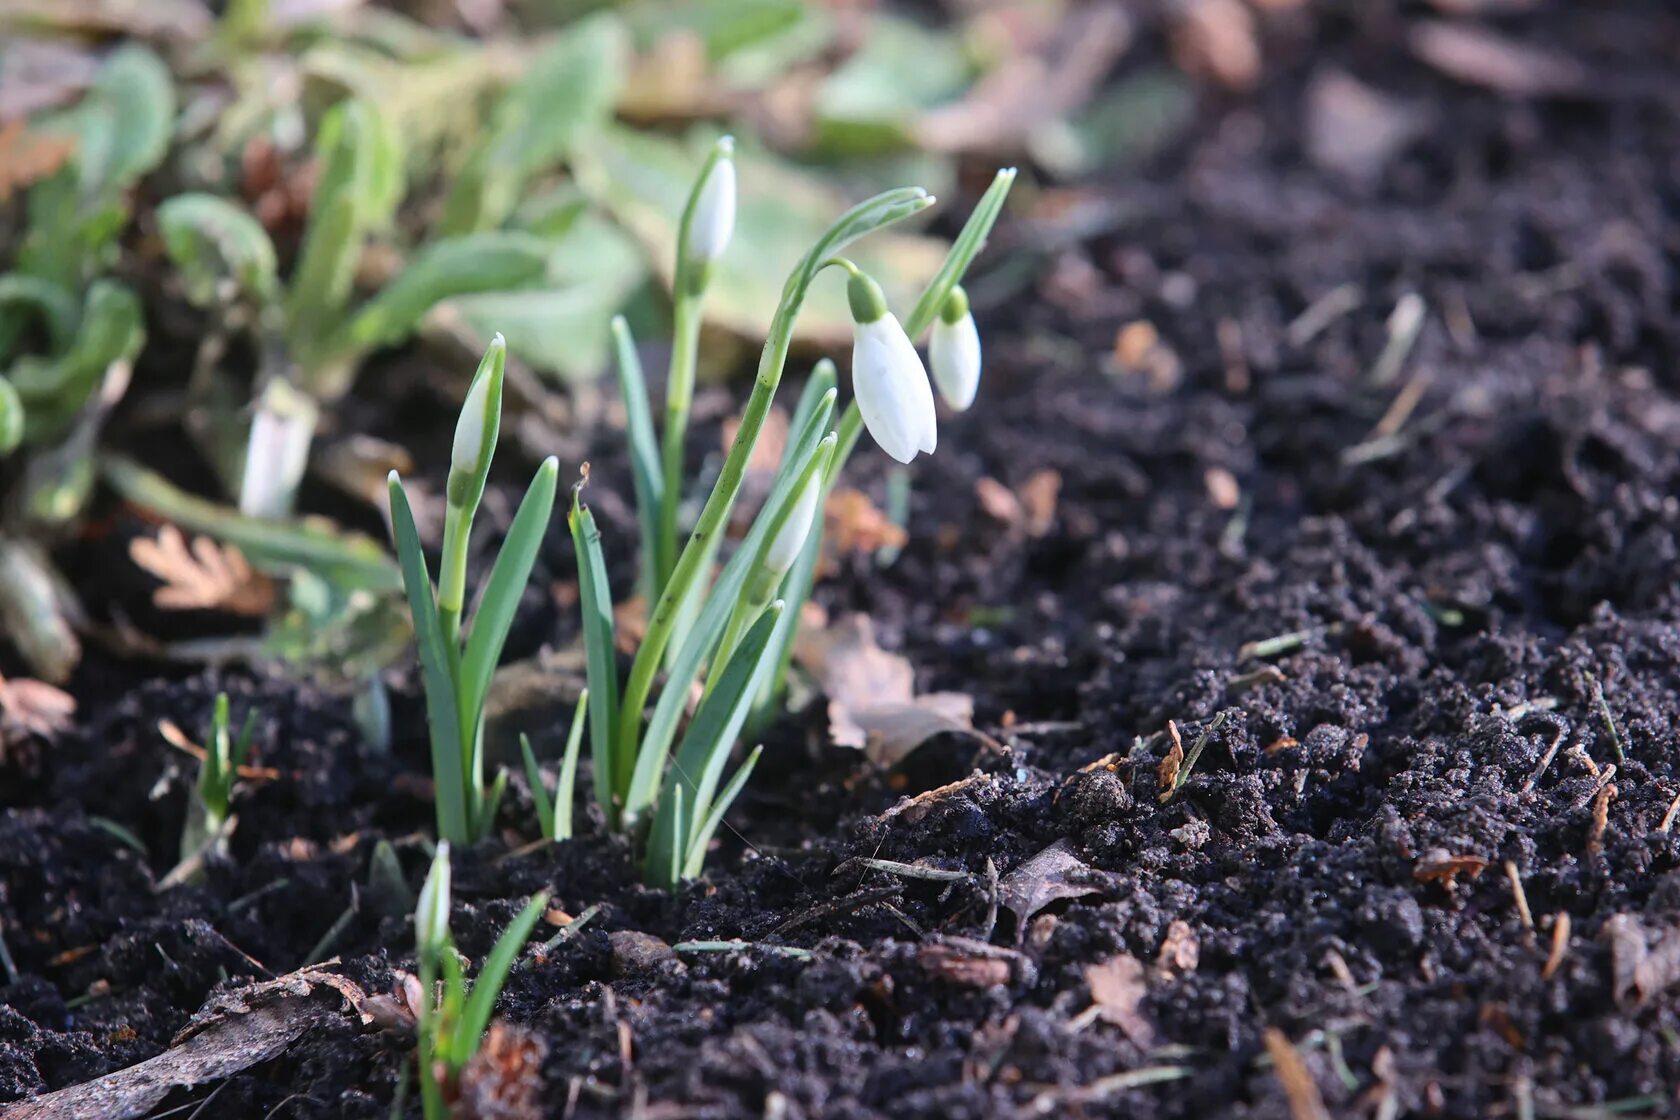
1118, 989
1441, 867
1053, 874
852, 524
965, 970
872, 702
1032, 89
1180, 950
635, 952
1166, 774
1480, 57
503, 1079
206, 576
31, 708
1029, 511
1642, 963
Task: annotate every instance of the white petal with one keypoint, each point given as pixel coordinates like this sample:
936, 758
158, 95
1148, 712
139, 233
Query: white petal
954, 355
892, 389
276, 452
431, 915
790, 539
469, 428
714, 214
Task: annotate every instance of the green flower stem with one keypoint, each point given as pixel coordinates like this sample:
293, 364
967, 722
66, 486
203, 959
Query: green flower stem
431, 1096
880, 211
452, 572
679, 398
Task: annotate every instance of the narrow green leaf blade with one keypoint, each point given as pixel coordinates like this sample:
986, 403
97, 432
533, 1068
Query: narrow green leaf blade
481, 1001
646, 475
964, 249
502, 591
565, 789
448, 765
476, 262
539, 794
701, 835
595, 601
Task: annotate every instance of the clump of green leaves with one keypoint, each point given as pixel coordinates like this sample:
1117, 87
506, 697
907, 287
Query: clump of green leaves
735, 632
210, 808
451, 1029
457, 673
69, 333
310, 331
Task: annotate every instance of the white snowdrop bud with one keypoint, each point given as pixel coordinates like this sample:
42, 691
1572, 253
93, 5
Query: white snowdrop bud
481, 414
713, 221
790, 537
954, 351
431, 916
888, 378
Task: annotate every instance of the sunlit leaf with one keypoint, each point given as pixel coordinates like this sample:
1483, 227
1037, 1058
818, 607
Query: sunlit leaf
214, 242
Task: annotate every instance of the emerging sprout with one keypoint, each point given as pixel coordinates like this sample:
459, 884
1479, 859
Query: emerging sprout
210, 808
890, 384
954, 351
457, 674
451, 1029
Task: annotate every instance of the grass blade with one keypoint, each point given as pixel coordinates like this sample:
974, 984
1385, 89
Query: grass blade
481, 1001
701, 839
664, 852
539, 795
595, 601
646, 472
448, 764
562, 829
502, 591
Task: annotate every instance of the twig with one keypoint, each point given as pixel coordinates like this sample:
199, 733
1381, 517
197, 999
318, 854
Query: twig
1520, 895
1305, 1101
1190, 759
1668, 817
1545, 763
569, 930
1405, 324
1560, 945
1322, 312
738, 946
906, 870
1604, 712
854, 901
1102, 1088
336, 930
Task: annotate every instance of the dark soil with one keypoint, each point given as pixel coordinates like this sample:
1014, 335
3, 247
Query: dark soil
1452, 593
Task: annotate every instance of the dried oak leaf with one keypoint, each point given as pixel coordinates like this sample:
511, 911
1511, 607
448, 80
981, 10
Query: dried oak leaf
1118, 988
503, 1081
1053, 874
203, 576
872, 701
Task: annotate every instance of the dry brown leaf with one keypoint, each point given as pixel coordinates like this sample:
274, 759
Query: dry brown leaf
964, 969
1305, 1101
1218, 39
1643, 963
31, 708
204, 576
1480, 57
1032, 88
503, 1080
1051, 875
771, 445
28, 157
1118, 989
1180, 950
1443, 868
1029, 511
852, 524
1166, 774
872, 701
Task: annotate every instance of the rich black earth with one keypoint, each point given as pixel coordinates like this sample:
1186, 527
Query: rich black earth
1452, 593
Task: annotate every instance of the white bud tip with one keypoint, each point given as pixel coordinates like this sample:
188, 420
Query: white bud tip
892, 389
713, 222
790, 538
954, 355
470, 427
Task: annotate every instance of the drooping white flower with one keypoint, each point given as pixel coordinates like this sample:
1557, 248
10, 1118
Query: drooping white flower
713, 221
888, 378
431, 915
954, 351
790, 538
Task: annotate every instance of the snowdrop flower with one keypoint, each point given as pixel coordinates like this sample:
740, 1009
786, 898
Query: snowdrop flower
277, 451
954, 351
480, 416
796, 526
431, 916
887, 376
712, 223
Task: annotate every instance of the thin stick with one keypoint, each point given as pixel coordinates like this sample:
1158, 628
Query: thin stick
907, 870
1520, 895
1668, 817
1560, 945
1604, 712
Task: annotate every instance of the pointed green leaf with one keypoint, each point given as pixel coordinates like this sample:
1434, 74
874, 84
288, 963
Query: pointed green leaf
539, 793
644, 448
475, 1016
503, 590
564, 791
213, 241
448, 772
477, 262
700, 838
595, 601
964, 249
